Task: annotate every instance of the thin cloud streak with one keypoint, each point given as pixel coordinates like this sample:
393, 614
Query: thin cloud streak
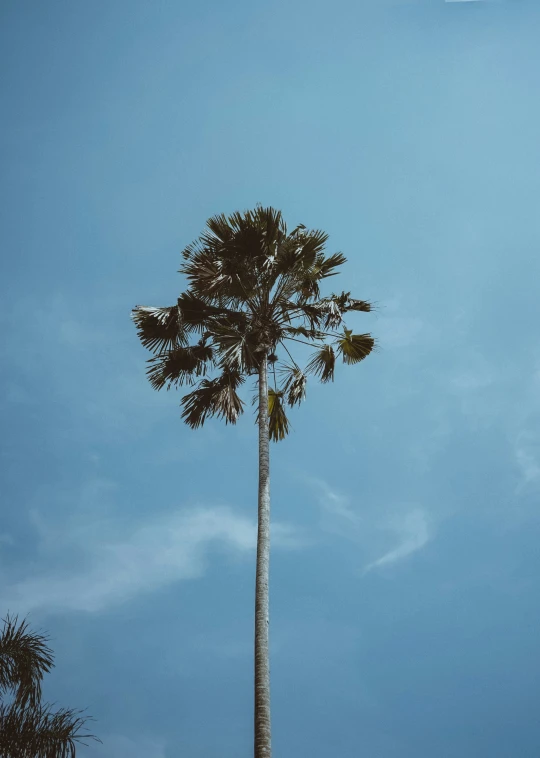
411, 527
171, 548
414, 534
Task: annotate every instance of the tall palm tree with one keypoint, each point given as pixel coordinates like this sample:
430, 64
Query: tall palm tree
253, 293
29, 729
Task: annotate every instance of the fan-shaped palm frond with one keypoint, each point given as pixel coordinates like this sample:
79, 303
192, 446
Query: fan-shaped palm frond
327, 266
323, 364
216, 397
294, 387
235, 349
355, 347
358, 305
301, 331
278, 423
159, 329
180, 366
197, 311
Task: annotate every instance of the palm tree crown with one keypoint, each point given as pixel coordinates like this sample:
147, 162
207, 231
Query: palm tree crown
253, 290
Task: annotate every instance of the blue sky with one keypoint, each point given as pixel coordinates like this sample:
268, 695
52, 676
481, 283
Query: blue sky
405, 566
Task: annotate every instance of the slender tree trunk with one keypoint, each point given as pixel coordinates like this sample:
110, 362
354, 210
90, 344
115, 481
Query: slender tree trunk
263, 746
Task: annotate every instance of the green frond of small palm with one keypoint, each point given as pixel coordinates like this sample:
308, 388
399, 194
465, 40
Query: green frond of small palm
323, 363
355, 347
24, 659
181, 366
37, 731
294, 388
159, 329
278, 423
216, 397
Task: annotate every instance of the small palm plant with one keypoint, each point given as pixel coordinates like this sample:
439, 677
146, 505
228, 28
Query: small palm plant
253, 294
29, 729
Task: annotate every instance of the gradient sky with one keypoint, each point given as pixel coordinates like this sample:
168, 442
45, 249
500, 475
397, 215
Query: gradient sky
405, 568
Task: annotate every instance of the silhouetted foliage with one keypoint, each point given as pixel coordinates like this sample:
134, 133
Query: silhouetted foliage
28, 728
253, 288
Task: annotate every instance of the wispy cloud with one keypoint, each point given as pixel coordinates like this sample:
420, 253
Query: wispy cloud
412, 532
527, 455
395, 531
115, 567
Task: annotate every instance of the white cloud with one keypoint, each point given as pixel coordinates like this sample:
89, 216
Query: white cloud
412, 532
370, 525
527, 455
118, 563
335, 503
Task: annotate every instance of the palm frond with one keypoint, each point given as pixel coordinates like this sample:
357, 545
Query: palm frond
327, 266
24, 659
231, 346
233, 258
294, 387
37, 732
159, 329
216, 397
180, 366
332, 309
278, 423
298, 255
312, 245
354, 347
323, 363
196, 311
302, 331
358, 305
311, 313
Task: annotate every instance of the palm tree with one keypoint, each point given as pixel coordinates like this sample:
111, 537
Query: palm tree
29, 729
253, 293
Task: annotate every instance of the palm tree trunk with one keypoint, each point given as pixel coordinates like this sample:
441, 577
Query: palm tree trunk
263, 745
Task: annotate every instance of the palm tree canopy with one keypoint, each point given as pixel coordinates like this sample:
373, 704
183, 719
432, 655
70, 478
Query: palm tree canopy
29, 729
24, 659
253, 291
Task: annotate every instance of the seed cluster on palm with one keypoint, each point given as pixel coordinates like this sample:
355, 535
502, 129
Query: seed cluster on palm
253, 291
